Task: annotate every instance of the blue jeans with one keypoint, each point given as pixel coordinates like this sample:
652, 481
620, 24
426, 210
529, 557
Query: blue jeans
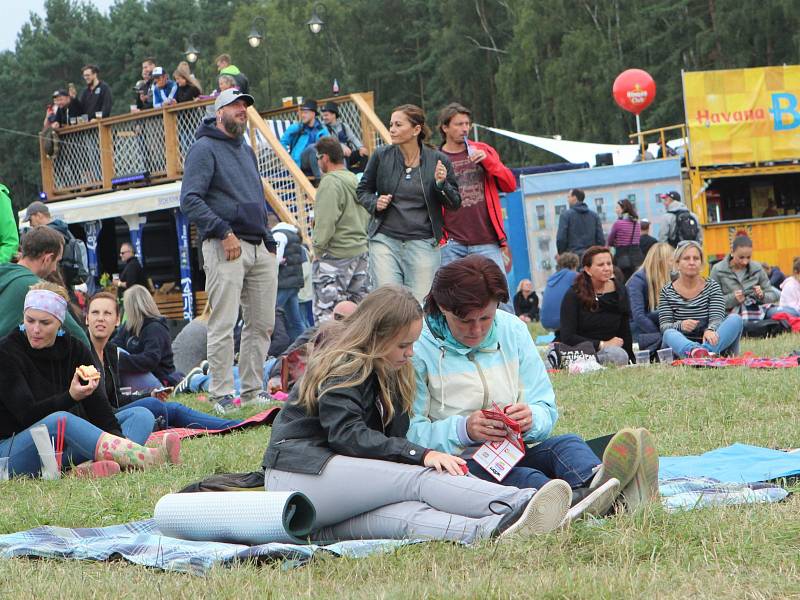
175, 414
288, 301
137, 423
781, 309
729, 332
454, 250
80, 440
202, 383
411, 263
565, 457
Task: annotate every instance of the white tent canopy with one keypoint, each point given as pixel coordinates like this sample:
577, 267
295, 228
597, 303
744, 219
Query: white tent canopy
580, 152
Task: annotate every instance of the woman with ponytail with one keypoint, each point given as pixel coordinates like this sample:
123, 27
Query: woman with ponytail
405, 187
596, 310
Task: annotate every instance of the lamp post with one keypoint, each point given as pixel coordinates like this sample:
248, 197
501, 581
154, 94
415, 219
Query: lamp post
191, 53
255, 39
315, 23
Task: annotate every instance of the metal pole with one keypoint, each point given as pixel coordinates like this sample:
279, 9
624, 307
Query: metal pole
269, 79
639, 136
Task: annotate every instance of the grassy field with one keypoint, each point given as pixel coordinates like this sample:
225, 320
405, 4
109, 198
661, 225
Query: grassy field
747, 552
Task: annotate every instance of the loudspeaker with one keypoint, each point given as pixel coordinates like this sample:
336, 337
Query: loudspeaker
605, 159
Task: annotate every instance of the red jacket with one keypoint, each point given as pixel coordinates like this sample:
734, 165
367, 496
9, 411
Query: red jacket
496, 174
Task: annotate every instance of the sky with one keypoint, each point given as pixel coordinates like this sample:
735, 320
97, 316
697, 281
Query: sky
16, 14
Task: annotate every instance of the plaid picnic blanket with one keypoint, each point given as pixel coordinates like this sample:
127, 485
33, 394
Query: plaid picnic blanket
745, 360
686, 493
141, 543
262, 418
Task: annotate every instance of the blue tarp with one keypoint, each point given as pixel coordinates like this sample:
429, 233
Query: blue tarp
738, 463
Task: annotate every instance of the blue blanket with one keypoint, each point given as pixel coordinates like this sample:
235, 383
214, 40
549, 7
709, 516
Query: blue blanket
141, 543
738, 463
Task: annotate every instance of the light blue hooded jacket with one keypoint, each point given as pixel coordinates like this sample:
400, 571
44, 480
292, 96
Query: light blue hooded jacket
454, 380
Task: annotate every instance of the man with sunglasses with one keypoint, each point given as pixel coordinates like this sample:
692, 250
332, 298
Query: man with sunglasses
133, 272
339, 271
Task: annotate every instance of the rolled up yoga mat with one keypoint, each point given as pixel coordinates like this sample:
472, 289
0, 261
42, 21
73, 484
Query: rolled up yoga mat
250, 518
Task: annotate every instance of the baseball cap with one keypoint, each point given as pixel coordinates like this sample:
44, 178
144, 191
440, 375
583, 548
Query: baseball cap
309, 105
58, 93
330, 107
673, 195
34, 208
157, 72
231, 95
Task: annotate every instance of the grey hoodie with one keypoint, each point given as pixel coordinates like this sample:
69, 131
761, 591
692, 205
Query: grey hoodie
221, 189
667, 230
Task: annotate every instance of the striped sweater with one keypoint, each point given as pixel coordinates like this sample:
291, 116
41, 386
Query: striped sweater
708, 307
624, 232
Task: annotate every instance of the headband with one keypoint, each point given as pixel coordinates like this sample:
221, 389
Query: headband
48, 301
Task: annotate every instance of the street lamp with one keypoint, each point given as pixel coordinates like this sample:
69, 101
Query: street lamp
315, 24
191, 53
254, 39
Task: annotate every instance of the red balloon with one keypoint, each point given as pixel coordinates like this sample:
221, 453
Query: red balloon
634, 90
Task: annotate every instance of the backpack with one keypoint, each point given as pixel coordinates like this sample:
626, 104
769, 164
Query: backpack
686, 228
74, 261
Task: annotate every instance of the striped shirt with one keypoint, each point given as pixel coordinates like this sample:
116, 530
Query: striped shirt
624, 232
708, 307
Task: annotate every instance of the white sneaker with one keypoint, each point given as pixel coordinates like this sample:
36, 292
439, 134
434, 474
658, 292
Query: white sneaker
595, 504
643, 488
545, 511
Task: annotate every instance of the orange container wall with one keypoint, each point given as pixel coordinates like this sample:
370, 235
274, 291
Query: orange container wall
775, 242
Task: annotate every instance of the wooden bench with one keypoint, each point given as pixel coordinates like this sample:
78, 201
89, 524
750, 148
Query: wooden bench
171, 305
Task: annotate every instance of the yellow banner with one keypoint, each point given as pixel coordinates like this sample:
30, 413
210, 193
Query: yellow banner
743, 115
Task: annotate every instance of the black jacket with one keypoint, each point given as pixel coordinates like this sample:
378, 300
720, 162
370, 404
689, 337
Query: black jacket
578, 229
73, 110
149, 352
96, 100
133, 274
109, 373
35, 384
382, 176
526, 306
611, 319
348, 423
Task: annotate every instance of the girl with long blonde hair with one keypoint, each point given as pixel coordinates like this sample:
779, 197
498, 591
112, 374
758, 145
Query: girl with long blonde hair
644, 288
341, 441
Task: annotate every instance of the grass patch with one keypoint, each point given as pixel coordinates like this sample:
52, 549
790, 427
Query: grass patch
732, 552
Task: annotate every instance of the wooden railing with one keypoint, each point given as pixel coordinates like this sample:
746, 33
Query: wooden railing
93, 156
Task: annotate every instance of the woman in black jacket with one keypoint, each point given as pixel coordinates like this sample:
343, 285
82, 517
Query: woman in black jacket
596, 310
41, 386
405, 187
526, 302
341, 441
146, 362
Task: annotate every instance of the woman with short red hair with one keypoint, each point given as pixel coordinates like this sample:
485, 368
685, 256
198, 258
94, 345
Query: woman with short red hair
470, 357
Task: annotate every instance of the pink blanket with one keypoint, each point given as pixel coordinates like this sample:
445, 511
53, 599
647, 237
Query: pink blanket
262, 418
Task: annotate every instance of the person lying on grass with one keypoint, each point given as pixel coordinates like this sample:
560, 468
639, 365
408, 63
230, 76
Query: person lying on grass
340, 440
691, 310
102, 318
472, 356
41, 384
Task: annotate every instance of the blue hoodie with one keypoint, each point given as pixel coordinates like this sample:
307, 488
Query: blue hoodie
221, 189
454, 381
557, 285
298, 137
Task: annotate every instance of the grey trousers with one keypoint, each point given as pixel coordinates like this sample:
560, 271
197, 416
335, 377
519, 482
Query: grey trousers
252, 282
358, 498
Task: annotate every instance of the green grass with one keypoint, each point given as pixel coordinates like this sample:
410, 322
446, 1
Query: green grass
735, 552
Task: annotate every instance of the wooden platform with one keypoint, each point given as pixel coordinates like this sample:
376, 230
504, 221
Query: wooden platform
171, 305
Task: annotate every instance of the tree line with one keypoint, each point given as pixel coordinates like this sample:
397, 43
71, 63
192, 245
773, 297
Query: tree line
543, 67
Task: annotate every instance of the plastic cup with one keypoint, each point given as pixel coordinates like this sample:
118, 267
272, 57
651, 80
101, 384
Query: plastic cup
299, 100
50, 468
98, 115
4, 468
287, 101
73, 120
59, 458
642, 357
115, 277
665, 355
134, 108
126, 391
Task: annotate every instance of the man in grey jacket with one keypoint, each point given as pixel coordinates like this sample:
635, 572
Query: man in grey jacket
223, 196
669, 227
